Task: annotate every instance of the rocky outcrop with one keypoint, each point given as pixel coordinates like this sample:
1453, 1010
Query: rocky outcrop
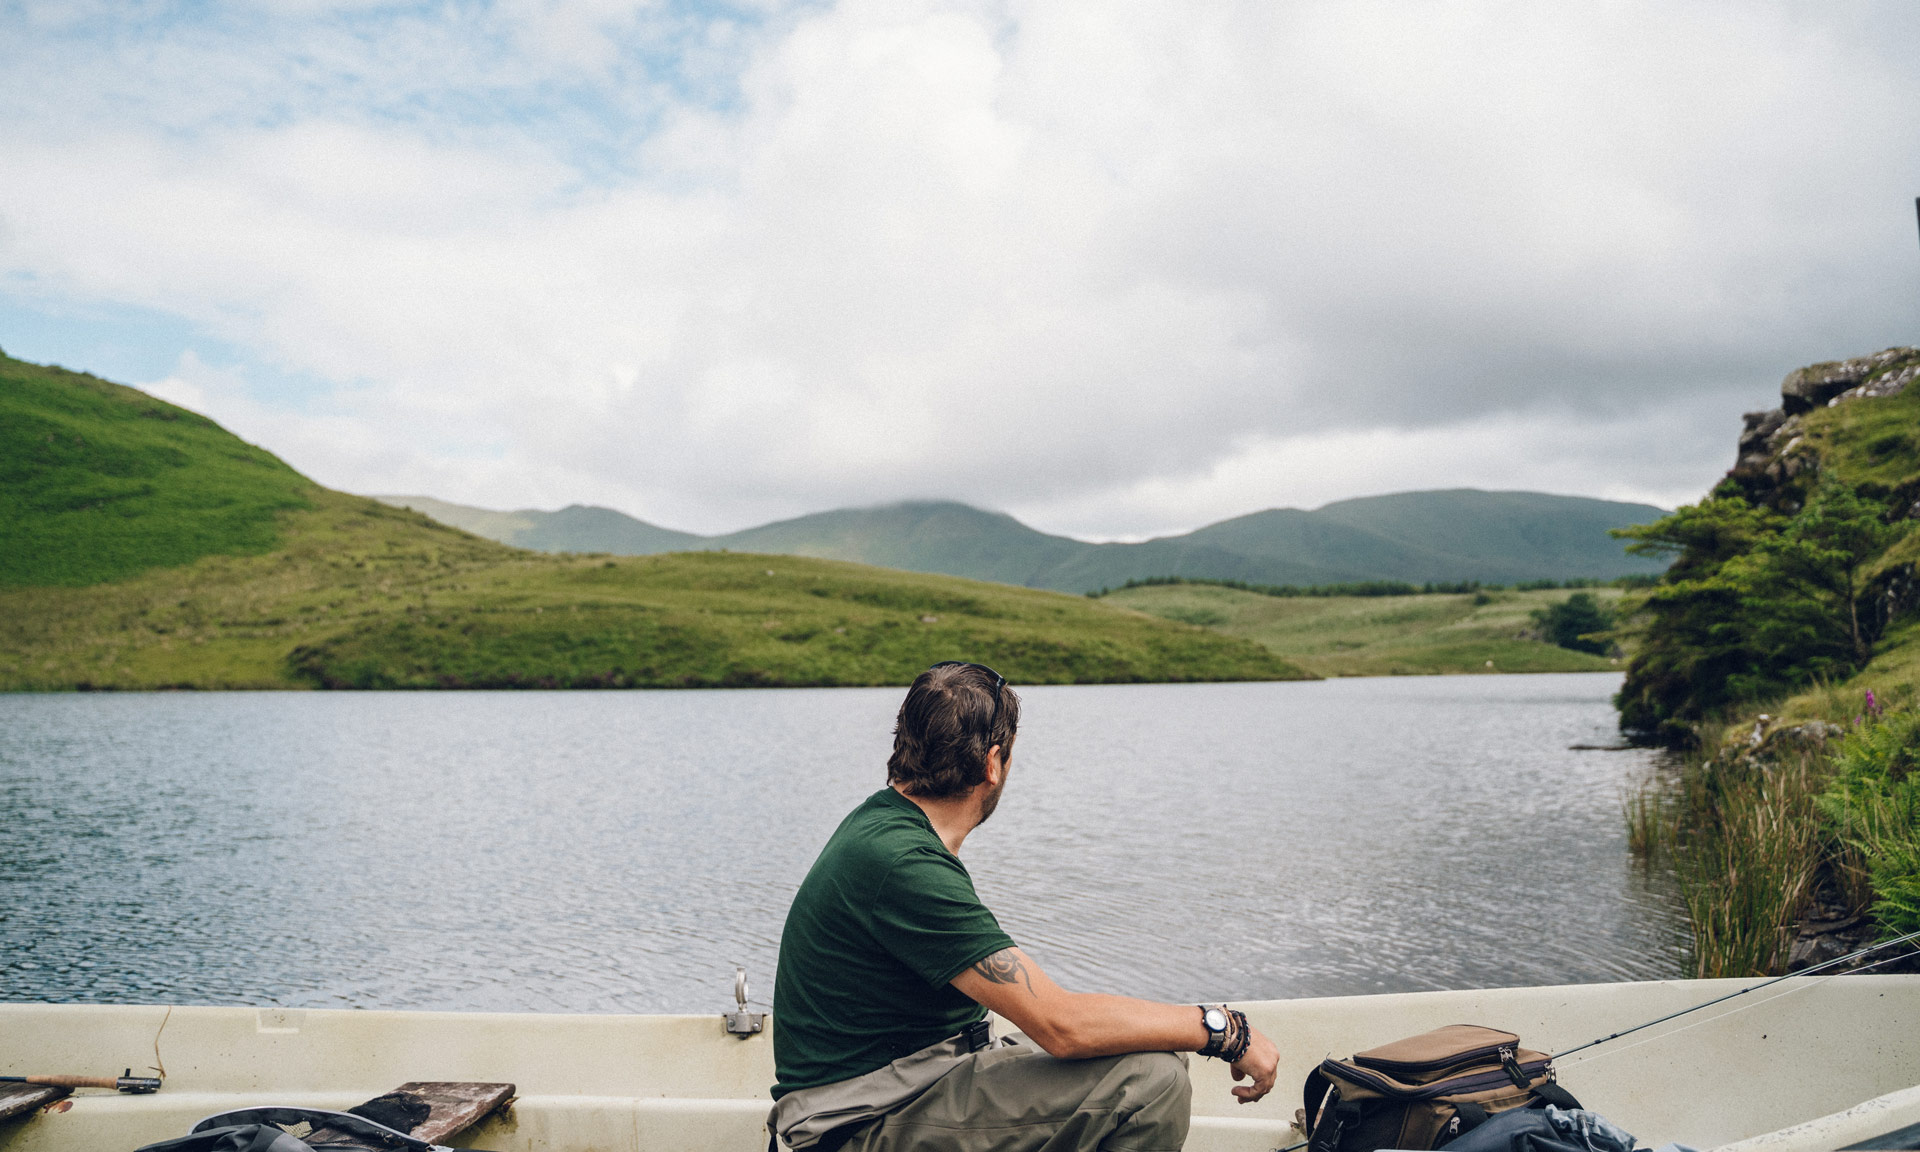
1776, 461
1816, 385
1756, 440
1773, 449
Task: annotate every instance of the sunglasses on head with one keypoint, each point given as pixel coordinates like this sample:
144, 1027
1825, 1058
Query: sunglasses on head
999, 682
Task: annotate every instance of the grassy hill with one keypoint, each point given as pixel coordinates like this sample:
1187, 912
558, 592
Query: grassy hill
146, 547
100, 481
1380, 635
1455, 535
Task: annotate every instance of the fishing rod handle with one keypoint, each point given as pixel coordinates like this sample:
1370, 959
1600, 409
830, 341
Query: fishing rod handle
74, 1081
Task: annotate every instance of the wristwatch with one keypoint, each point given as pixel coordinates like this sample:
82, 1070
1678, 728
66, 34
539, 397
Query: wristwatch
1215, 1020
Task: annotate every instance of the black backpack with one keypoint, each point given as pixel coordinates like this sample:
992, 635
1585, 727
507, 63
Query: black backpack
1425, 1090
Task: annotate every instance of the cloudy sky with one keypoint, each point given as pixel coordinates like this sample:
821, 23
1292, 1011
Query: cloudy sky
1120, 268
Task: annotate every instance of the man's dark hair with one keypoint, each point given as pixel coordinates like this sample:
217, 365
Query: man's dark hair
946, 725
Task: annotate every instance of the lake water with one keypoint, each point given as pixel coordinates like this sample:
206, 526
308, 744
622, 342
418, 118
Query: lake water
622, 851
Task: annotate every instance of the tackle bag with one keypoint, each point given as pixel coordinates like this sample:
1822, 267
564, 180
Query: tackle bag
1423, 1091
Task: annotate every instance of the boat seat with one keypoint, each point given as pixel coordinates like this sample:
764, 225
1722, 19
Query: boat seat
21, 1099
432, 1110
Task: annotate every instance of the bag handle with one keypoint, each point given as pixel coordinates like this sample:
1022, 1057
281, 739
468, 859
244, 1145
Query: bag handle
1551, 1092
1314, 1096
1326, 1134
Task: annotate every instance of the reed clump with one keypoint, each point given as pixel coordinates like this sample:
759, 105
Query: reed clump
1762, 826
1746, 854
1646, 823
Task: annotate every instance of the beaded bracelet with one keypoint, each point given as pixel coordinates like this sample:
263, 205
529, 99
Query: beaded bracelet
1242, 1037
1233, 1042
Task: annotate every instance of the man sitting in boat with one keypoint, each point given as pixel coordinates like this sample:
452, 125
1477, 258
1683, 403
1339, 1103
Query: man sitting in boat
889, 963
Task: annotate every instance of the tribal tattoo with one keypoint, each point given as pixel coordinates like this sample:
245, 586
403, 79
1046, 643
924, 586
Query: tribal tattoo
1005, 967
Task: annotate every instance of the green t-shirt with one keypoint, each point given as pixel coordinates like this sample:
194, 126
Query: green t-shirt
885, 919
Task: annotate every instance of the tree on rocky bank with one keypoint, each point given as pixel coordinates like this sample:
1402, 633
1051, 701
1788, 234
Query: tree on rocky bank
1756, 603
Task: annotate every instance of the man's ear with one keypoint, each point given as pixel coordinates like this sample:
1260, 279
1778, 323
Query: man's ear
996, 766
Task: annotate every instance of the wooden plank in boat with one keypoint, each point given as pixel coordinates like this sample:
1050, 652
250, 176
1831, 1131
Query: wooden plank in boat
456, 1106
453, 1107
20, 1099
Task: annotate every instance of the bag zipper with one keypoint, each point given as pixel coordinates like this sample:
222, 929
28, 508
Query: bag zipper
1455, 1086
1511, 1067
1472, 1055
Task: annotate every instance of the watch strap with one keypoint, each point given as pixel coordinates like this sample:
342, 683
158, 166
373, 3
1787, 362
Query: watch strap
1216, 1037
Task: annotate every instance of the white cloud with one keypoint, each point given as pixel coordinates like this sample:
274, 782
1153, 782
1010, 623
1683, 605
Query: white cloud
1122, 270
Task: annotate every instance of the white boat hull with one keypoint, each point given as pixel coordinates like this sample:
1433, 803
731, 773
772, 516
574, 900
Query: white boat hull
1779, 1069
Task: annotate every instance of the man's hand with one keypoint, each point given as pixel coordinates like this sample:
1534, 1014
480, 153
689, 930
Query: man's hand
1074, 1025
1261, 1063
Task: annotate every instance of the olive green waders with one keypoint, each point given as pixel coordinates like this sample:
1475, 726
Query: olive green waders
1010, 1097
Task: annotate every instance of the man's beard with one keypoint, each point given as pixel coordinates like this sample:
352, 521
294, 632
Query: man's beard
991, 802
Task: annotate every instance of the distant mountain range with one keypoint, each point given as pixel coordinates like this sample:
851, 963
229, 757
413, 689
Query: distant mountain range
1449, 535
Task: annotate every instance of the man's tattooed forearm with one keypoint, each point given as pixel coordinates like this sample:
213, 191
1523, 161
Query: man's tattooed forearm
1004, 967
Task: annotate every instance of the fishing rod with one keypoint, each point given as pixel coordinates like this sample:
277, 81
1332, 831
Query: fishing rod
131, 1084
1854, 955
1742, 992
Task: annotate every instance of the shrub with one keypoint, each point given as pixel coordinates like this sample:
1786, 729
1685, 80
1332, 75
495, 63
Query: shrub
1574, 622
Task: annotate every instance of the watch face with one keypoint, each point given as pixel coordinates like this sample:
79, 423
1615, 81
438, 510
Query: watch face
1216, 1020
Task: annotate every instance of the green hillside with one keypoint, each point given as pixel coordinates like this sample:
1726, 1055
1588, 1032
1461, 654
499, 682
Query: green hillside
99, 482
1494, 537
1780, 654
1456, 535
1380, 635
183, 557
